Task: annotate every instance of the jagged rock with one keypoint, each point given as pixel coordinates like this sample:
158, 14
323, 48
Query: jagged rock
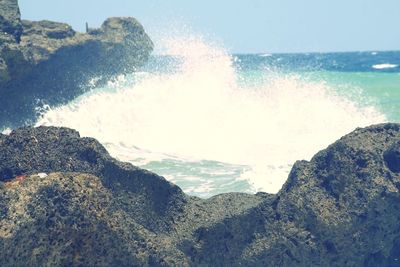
347, 198
49, 63
339, 209
118, 38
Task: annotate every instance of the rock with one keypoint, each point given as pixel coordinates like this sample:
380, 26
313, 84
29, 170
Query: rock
10, 33
48, 63
10, 19
347, 199
71, 219
42, 30
149, 216
339, 209
49, 149
392, 157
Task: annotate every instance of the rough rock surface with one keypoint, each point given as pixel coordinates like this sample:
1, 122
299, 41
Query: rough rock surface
45, 62
339, 209
10, 19
10, 32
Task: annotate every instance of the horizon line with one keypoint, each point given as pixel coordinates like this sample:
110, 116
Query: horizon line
286, 53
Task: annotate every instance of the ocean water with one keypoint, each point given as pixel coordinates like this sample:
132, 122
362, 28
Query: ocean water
213, 122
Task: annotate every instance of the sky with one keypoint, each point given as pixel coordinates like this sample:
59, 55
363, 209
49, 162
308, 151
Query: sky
252, 26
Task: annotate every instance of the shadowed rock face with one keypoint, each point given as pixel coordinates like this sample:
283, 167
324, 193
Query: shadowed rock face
339, 209
45, 62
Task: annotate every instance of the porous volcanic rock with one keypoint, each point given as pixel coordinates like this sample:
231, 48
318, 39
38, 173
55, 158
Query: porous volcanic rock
338, 209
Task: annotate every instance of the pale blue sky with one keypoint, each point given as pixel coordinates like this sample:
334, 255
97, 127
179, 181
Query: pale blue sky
246, 26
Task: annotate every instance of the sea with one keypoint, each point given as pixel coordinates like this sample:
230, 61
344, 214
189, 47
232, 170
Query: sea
214, 122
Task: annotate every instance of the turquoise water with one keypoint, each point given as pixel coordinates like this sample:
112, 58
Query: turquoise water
378, 89
381, 89
212, 122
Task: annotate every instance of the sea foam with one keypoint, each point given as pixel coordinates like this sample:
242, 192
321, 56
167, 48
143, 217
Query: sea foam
384, 66
205, 111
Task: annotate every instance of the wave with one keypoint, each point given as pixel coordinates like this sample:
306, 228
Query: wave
206, 111
384, 66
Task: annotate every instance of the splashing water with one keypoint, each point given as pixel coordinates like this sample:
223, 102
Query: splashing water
204, 127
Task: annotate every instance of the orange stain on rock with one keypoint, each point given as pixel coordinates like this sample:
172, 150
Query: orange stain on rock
20, 177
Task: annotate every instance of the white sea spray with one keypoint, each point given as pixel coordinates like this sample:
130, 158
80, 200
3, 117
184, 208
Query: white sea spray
203, 112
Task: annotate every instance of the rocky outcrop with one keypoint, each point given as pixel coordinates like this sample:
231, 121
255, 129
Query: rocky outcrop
11, 30
339, 209
45, 62
10, 19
